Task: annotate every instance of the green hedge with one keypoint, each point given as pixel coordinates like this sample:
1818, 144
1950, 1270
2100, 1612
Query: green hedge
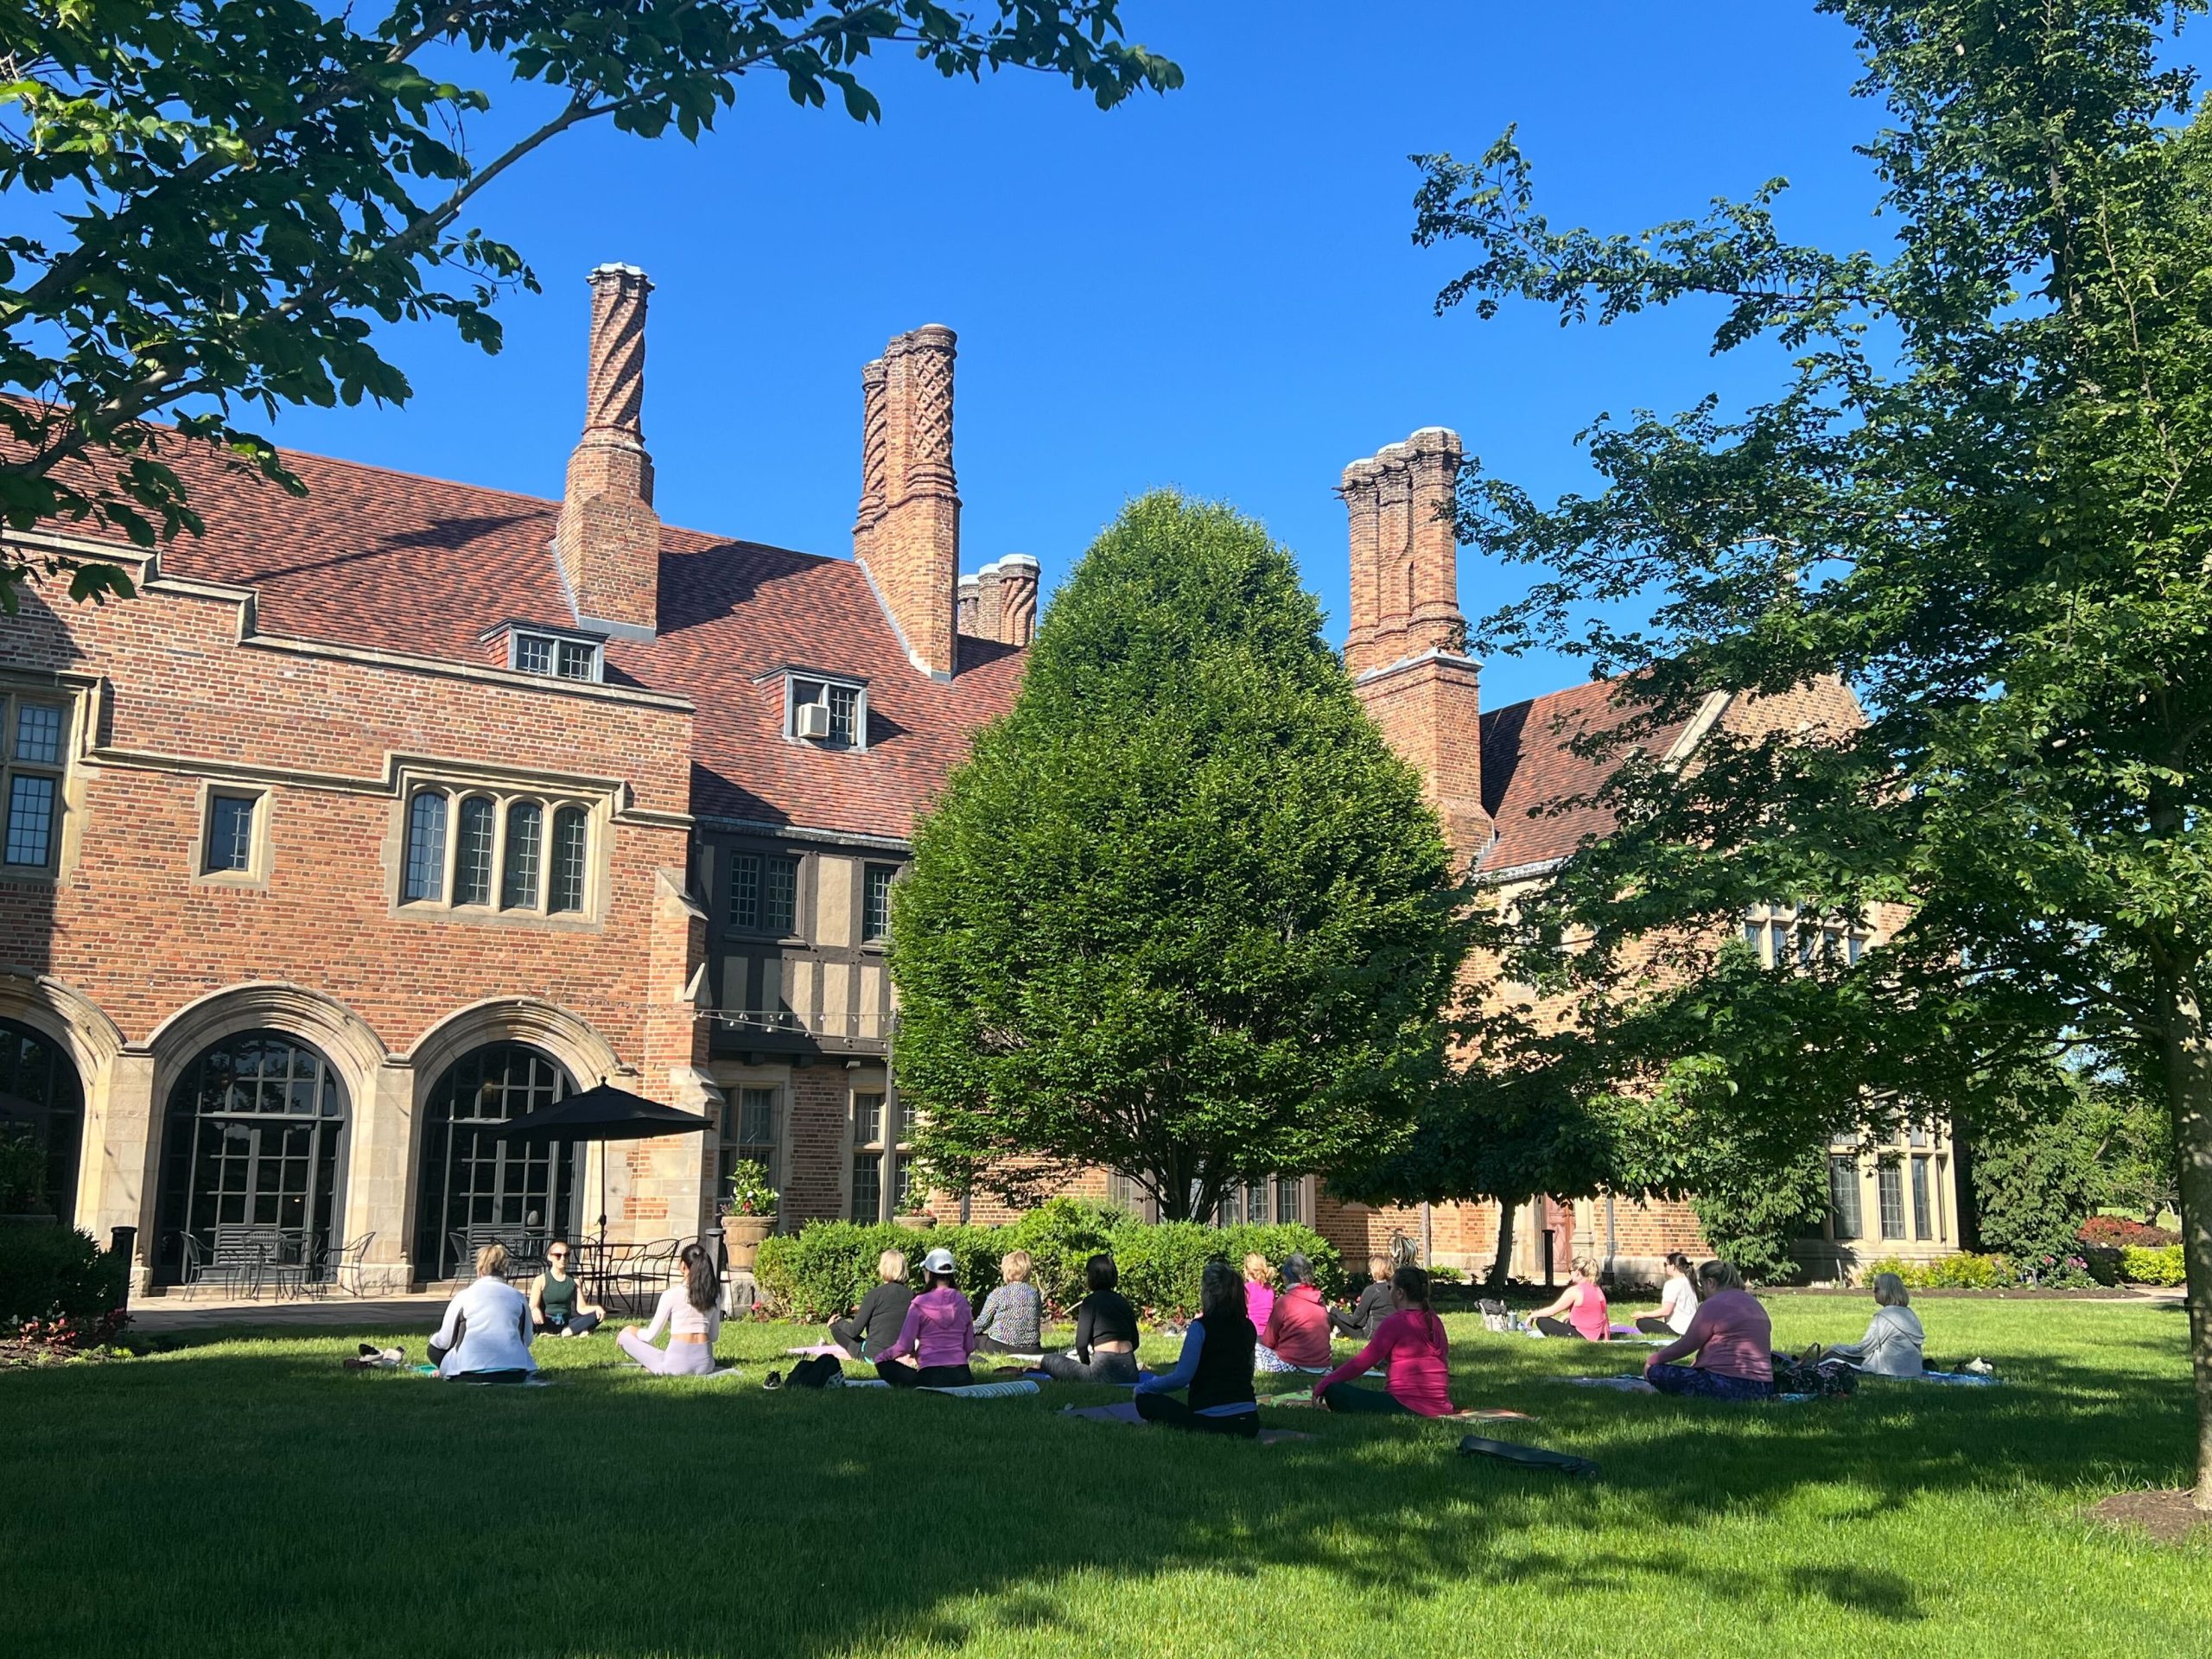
57, 1272
1963, 1272
823, 1270
2145, 1266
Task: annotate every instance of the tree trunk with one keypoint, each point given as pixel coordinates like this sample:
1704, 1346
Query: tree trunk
1502, 1264
2188, 1085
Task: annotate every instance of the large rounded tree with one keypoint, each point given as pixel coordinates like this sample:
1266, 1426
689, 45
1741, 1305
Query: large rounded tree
1182, 915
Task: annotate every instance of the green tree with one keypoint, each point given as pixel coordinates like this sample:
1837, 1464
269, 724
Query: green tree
1981, 494
223, 197
1184, 914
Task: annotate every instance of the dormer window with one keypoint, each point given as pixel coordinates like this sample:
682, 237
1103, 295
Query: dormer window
832, 713
557, 657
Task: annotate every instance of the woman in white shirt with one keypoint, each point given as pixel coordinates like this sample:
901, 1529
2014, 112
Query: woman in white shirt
1677, 1301
1891, 1346
485, 1337
690, 1313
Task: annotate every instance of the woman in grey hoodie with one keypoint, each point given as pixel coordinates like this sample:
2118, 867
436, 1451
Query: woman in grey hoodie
1892, 1343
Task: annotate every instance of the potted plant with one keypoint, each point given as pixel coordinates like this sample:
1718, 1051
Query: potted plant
748, 1213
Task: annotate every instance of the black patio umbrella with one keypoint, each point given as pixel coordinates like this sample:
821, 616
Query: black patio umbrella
601, 1113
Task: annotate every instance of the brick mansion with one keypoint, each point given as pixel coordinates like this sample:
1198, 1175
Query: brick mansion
389, 813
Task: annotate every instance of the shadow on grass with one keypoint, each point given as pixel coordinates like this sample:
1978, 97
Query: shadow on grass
255, 1486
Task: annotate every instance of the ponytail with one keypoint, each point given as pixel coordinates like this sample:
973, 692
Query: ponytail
702, 1286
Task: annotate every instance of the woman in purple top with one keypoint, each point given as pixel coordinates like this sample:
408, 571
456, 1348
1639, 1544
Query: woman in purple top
1732, 1337
938, 1335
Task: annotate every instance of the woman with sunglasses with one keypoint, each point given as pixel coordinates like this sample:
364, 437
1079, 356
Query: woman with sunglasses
559, 1305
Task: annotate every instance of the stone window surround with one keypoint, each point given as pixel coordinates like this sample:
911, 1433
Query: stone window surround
887, 1146
1932, 1144
504, 789
255, 876
65, 833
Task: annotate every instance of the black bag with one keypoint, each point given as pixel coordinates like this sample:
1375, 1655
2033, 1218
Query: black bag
816, 1371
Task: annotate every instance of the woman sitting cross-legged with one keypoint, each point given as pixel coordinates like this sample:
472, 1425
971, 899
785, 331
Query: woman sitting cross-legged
691, 1314
1297, 1329
875, 1322
1411, 1344
557, 1303
1677, 1301
1583, 1302
1891, 1346
1215, 1366
1013, 1318
937, 1334
1105, 1331
1732, 1337
485, 1336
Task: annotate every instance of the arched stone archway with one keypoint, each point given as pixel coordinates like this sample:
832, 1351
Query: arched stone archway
90, 1044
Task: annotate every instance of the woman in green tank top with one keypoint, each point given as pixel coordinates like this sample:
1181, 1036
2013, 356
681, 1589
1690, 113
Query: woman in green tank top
557, 1302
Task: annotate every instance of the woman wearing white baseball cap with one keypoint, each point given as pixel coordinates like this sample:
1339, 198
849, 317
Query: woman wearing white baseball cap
938, 1334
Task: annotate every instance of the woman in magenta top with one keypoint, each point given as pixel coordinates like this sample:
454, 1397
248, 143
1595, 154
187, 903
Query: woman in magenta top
939, 1333
1732, 1337
1411, 1345
1584, 1304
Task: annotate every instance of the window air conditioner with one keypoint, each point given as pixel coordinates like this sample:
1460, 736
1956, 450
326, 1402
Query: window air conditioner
813, 719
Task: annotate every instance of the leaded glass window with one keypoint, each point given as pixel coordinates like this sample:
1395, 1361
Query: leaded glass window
526, 830
32, 797
426, 848
472, 865
565, 882
875, 914
230, 833
780, 896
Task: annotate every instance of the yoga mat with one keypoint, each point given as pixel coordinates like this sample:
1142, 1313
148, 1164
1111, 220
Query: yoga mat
1127, 1414
820, 1351
1532, 1456
1010, 1390
1620, 1384
1955, 1379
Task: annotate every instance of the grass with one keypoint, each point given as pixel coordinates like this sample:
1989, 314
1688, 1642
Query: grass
245, 1496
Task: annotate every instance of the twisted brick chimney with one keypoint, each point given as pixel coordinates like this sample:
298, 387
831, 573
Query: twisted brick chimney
1406, 646
1018, 578
609, 537
907, 534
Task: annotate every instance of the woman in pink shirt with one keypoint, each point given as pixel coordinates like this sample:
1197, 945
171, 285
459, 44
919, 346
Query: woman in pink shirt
1732, 1337
938, 1334
1584, 1304
1297, 1331
1411, 1344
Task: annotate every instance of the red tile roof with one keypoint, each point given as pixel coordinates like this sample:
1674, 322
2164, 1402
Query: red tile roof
390, 560
1529, 766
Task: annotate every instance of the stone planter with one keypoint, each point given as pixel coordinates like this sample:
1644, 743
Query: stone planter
741, 1237
919, 1219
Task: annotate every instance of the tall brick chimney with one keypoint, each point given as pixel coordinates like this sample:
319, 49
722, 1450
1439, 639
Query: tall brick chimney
988, 601
907, 534
609, 537
1018, 580
1406, 646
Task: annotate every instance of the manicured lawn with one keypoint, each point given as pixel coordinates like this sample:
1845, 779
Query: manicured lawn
248, 1497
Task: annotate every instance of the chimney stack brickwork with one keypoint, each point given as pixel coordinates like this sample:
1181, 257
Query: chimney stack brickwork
608, 538
1018, 582
1406, 644
907, 532
999, 602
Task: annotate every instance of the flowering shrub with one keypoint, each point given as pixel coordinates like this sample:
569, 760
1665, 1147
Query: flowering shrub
2120, 1232
67, 1333
2160, 1266
749, 1191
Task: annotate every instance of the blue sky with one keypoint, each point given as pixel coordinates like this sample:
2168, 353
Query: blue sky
1214, 290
